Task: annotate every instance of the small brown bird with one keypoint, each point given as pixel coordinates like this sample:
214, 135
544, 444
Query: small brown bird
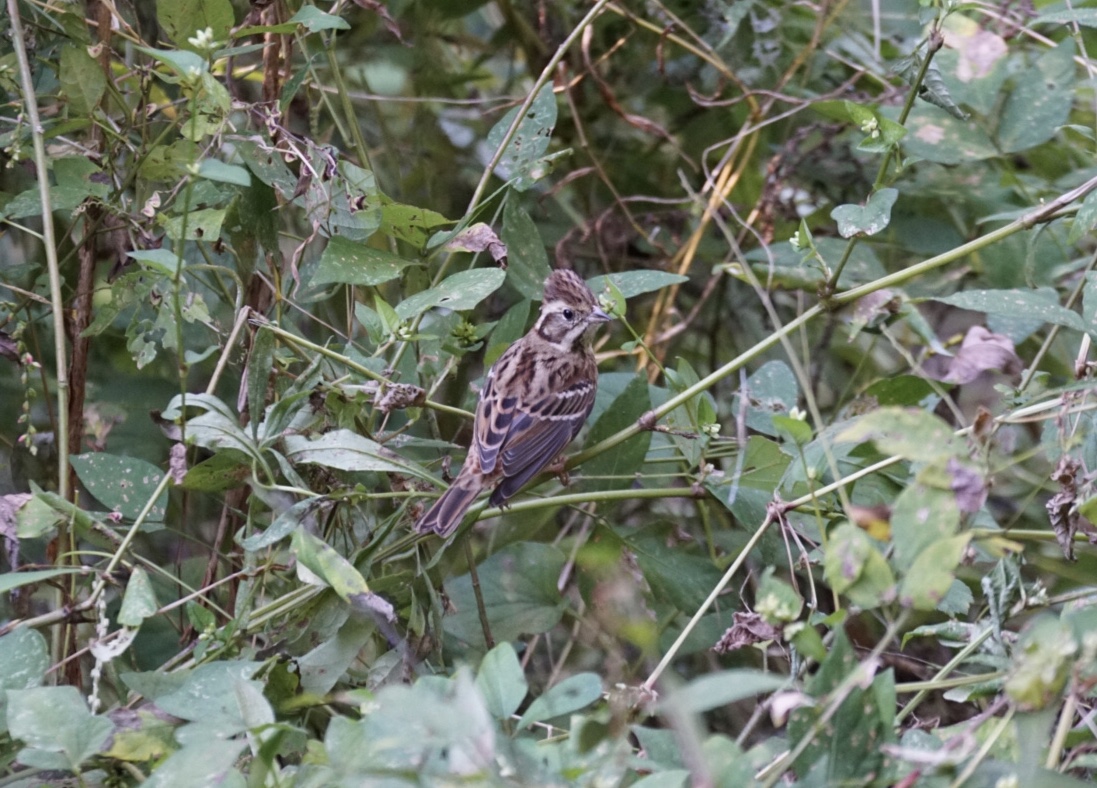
536, 398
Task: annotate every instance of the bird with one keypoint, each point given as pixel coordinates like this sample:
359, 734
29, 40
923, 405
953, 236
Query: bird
536, 398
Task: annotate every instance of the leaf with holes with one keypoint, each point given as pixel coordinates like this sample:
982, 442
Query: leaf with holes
528, 264
530, 140
868, 219
459, 292
571, 694
122, 484
634, 283
1041, 102
348, 262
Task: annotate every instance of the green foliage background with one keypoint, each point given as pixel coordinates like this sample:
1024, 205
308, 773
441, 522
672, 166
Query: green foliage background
830, 523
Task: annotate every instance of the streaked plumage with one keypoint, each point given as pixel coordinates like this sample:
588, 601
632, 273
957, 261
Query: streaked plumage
536, 398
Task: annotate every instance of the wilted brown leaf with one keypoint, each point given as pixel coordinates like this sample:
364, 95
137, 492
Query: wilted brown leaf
982, 350
969, 486
479, 238
747, 629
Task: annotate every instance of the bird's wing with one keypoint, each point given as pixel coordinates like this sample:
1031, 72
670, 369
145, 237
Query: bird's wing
539, 431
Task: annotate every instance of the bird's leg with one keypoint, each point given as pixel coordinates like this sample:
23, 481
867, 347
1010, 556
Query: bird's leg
558, 467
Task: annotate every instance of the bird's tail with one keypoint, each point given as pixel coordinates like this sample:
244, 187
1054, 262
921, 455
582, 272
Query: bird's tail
448, 511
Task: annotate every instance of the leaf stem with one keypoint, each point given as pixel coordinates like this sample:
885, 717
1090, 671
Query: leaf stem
933, 45
543, 79
49, 241
668, 657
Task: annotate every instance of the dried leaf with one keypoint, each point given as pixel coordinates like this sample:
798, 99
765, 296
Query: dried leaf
177, 463
969, 486
747, 629
981, 351
379, 8
1062, 509
9, 349
479, 238
398, 396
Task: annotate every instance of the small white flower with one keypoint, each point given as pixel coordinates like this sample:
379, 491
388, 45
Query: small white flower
203, 39
871, 127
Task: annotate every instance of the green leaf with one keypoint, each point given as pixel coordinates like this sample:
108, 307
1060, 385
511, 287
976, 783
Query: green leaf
315, 20
932, 573
122, 484
795, 431
18, 580
225, 470
459, 292
747, 492
1087, 17
217, 170
162, 261
207, 694
855, 568
634, 283
1042, 305
501, 681
1086, 218
183, 63
937, 136
322, 667
145, 737
922, 516
848, 747
346, 202
628, 458
1040, 102
350, 262
508, 329
215, 428
678, 577
24, 659
268, 167
284, 524
903, 390
527, 261
201, 225
181, 19
77, 179
348, 451
520, 595
722, 688
208, 762
1042, 663
139, 601
908, 432
321, 560
1089, 304
56, 726
530, 140
771, 391
82, 79
571, 694
409, 222
260, 366
36, 518
868, 220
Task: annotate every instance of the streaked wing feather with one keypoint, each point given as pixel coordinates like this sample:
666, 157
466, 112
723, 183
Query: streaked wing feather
551, 444
495, 416
540, 433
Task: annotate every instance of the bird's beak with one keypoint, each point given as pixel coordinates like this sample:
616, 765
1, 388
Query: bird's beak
598, 316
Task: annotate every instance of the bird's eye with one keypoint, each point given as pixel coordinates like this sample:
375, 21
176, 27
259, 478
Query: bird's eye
569, 314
